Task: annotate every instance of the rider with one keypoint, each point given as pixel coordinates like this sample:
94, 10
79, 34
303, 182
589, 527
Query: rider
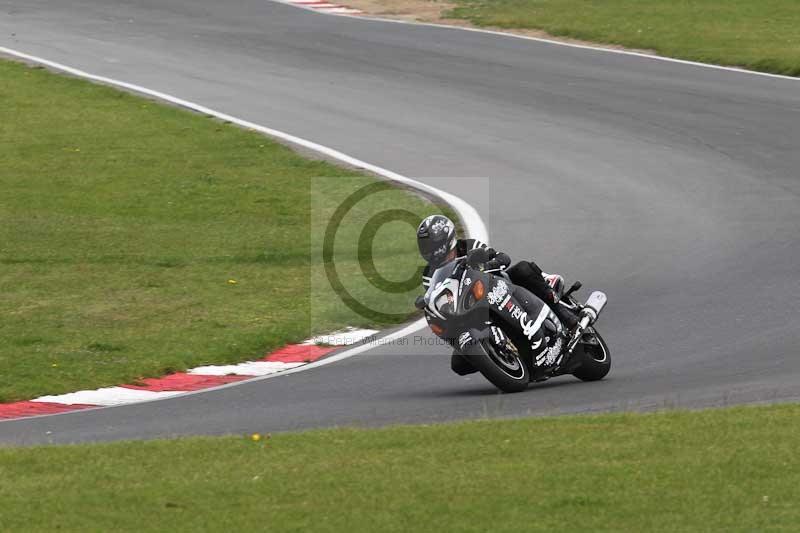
436, 237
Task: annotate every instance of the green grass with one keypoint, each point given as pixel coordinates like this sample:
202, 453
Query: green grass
755, 34
719, 470
125, 223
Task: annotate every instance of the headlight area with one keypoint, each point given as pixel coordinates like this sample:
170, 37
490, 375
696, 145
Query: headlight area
445, 303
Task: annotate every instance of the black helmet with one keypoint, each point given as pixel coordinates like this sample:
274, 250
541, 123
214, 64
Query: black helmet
436, 236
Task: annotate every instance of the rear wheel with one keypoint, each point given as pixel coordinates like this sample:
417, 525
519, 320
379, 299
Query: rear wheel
502, 366
597, 358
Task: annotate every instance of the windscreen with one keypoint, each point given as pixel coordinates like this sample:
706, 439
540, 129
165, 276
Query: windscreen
442, 273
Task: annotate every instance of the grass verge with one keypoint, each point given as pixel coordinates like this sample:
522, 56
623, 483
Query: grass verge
138, 239
755, 34
718, 470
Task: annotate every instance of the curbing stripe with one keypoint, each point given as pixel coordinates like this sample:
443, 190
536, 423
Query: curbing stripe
343, 338
107, 396
184, 382
339, 10
253, 368
196, 379
30, 408
323, 7
299, 353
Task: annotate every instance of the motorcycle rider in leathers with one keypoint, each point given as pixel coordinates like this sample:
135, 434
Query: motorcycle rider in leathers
436, 237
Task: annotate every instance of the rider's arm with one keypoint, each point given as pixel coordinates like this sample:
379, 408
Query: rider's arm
488, 259
465, 245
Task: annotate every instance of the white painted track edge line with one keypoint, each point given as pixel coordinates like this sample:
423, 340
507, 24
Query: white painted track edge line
472, 221
371, 18
475, 227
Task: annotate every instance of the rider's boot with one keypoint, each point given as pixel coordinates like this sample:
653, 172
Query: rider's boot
555, 285
556, 281
565, 315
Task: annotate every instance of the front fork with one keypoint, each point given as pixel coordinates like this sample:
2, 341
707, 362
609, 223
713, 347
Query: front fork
580, 329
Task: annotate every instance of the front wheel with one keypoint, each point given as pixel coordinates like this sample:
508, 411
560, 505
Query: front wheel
596, 360
503, 367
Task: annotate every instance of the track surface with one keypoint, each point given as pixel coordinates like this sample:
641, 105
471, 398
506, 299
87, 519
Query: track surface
681, 185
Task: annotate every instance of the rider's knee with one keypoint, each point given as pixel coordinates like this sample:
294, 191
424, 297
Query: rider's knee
525, 270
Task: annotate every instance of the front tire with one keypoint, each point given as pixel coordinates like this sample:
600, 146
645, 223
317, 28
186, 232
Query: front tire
597, 360
505, 369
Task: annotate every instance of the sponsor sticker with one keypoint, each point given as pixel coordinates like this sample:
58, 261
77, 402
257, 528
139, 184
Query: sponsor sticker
527, 326
550, 356
499, 336
504, 303
499, 292
517, 312
464, 339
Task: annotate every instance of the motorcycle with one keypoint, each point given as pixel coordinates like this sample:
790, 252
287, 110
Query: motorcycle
478, 312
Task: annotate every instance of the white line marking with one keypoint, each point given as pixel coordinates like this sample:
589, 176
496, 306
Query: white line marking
108, 396
474, 226
368, 17
250, 368
342, 338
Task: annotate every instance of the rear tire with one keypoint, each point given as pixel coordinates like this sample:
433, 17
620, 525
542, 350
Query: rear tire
507, 372
597, 361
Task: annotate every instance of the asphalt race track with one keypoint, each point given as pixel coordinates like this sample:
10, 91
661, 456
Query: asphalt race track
672, 187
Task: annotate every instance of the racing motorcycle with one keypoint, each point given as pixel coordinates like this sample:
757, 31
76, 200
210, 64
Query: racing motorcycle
478, 312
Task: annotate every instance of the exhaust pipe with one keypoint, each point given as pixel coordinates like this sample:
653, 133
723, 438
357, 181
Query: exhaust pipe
591, 310
594, 305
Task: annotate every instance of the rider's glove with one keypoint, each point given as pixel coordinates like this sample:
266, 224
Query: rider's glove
500, 260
